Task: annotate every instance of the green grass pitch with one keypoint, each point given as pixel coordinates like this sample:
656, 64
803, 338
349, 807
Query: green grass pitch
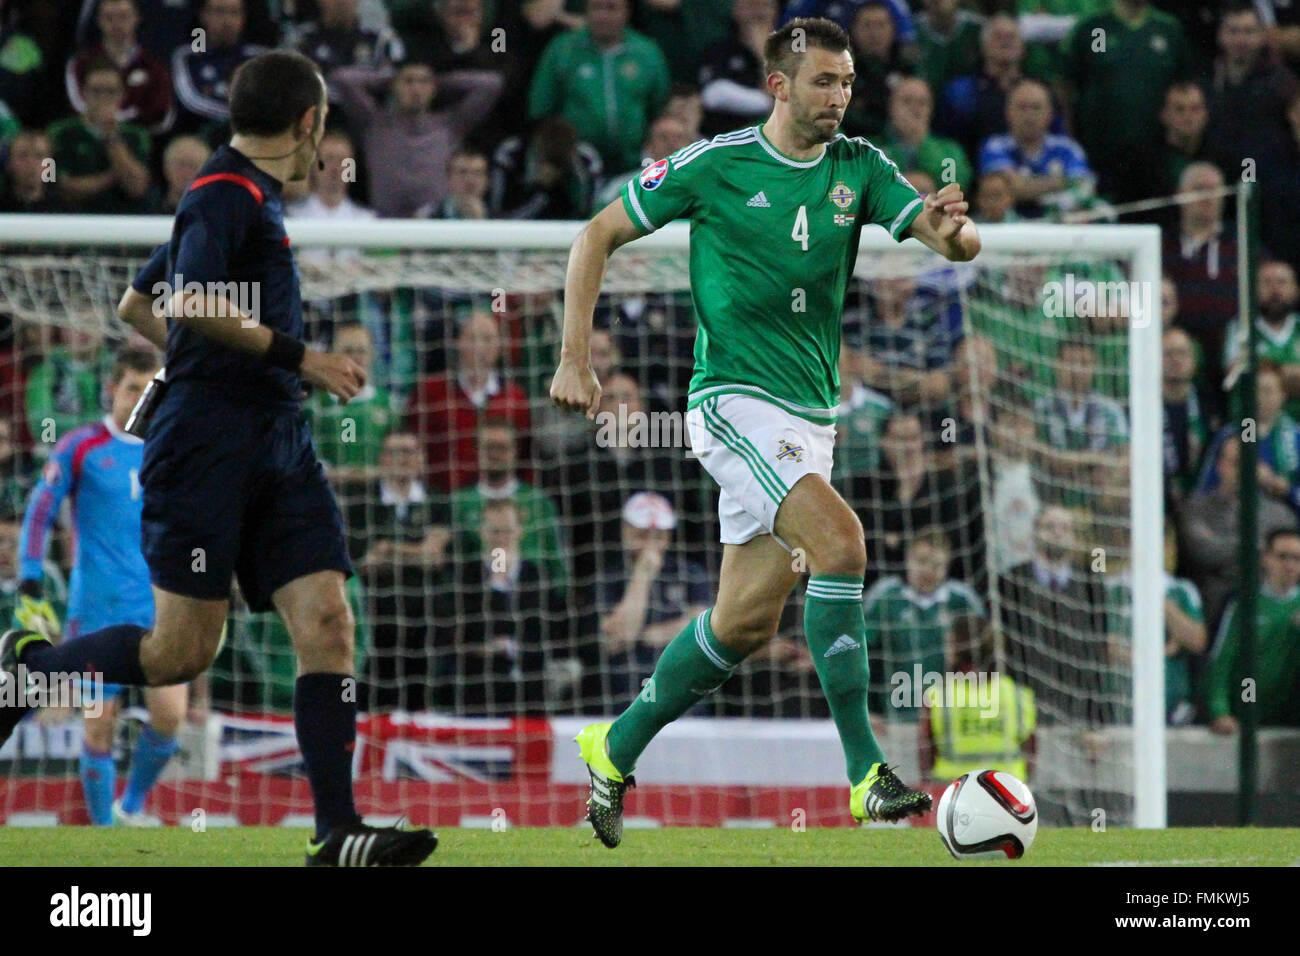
273, 846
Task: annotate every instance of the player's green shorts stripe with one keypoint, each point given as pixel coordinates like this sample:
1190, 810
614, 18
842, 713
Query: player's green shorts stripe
767, 479
755, 454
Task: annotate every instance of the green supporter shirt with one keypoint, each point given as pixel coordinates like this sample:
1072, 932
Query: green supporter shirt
61, 392
773, 244
943, 159
857, 434
1120, 72
1280, 345
1026, 336
610, 96
1276, 673
944, 57
541, 528
351, 435
79, 151
906, 629
1178, 675
685, 33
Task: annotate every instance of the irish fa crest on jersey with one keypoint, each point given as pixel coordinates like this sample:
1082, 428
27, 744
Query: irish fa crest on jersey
787, 450
654, 174
843, 197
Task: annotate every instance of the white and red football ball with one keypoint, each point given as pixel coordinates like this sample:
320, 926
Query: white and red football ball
987, 813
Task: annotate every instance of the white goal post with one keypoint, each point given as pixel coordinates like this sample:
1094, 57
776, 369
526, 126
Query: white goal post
1139, 245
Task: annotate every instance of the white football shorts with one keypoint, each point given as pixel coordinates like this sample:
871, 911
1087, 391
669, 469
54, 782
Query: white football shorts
755, 451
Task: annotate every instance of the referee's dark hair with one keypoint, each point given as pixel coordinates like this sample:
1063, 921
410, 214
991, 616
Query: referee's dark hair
134, 360
271, 91
782, 52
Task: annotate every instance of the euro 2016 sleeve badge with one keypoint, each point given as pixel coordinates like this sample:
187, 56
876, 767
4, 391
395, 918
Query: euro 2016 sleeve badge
653, 175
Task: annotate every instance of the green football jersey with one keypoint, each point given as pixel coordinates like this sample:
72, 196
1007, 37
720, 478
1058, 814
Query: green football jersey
351, 434
906, 630
773, 243
1277, 662
1280, 345
1120, 70
1178, 675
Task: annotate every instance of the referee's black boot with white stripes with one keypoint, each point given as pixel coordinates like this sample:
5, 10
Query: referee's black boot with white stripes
360, 844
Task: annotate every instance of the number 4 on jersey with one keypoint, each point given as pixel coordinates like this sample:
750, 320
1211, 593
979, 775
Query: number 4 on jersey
800, 232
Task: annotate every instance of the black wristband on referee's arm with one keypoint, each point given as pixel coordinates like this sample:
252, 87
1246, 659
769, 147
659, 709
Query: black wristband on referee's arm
285, 352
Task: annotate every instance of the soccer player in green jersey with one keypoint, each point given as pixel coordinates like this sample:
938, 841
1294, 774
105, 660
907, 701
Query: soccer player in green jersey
775, 214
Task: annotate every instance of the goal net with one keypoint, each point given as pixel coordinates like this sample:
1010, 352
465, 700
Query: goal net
520, 570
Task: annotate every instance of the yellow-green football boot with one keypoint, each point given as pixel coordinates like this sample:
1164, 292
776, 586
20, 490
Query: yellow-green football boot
882, 796
605, 803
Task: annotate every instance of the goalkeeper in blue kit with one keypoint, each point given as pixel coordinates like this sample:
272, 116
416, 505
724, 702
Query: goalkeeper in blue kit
97, 468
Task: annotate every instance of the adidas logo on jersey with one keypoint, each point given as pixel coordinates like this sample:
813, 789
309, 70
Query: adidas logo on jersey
759, 201
842, 643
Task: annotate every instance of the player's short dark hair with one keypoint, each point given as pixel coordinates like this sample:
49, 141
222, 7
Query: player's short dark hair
785, 47
271, 91
134, 360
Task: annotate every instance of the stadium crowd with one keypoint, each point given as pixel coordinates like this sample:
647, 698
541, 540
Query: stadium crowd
509, 564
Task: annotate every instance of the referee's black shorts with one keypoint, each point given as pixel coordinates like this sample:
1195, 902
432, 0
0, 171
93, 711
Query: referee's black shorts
234, 488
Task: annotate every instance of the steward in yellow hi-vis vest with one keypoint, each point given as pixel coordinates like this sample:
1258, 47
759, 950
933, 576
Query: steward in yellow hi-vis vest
977, 718
980, 721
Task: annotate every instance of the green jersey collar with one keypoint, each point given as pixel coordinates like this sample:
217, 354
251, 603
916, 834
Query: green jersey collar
781, 157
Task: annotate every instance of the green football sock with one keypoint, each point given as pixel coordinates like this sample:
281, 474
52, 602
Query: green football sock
837, 639
692, 666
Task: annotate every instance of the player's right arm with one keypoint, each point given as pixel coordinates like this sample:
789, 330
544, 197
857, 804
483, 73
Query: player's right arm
575, 385
664, 191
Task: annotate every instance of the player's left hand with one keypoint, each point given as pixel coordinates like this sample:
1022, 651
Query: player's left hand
946, 210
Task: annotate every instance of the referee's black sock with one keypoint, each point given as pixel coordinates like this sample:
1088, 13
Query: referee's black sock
326, 722
112, 654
